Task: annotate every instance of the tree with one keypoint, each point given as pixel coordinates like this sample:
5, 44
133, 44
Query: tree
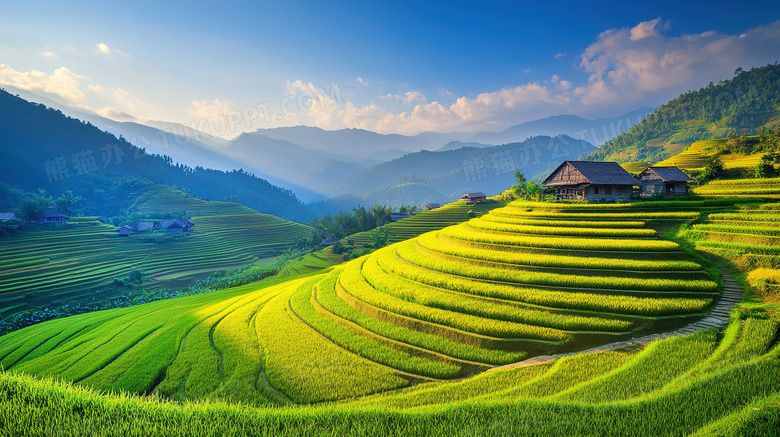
33, 207
380, 236
766, 168
521, 187
380, 213
713, 168
66, 202
363, 218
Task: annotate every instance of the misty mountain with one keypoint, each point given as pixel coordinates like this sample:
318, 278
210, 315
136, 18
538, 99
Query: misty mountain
313, 168
596, 131
359, 142
452, 145
41, 148
443, 176
183, 144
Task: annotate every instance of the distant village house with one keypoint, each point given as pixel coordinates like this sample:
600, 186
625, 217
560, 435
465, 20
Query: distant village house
472, 198
668, 181
53, 217
148, 226
432, 205
395, 216
329, 241
591, 180
176, 226
125, 231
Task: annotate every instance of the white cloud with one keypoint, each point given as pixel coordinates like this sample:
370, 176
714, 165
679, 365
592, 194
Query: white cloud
61, 82
560, 55
49, 53
106, 50
629, 65
645, 29
407, 97
212, 109
624, 69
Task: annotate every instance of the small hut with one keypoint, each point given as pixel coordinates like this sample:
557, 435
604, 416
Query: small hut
125, 231
472, 198
667, 181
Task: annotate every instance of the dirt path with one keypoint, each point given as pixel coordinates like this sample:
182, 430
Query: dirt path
718, 318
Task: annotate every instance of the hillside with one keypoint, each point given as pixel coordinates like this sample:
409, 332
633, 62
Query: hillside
392, 335
43, 149
443, 176
78, 262
742, 104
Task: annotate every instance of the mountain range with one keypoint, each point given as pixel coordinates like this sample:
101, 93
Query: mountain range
316, 163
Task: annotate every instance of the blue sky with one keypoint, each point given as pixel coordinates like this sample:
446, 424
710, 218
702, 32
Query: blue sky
397, 66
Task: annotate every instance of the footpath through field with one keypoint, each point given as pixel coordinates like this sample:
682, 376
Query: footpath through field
718, 318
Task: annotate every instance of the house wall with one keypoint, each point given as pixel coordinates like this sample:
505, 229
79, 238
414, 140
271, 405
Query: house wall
608, 192
659, 187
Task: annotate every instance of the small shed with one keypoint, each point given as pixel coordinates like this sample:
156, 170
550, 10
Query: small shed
667, 181
125, 231
330, 240
430, 206
53, 217
395, 216
591, 180
471, 198
7, 216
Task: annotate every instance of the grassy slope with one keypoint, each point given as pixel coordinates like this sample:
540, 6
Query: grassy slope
694, 157
70, 263
298, 360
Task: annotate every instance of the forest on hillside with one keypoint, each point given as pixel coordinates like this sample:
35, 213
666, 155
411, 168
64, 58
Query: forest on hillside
42, 149
743, 104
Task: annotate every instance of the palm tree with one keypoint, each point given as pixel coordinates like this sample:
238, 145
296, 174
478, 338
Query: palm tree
363, 218
380, 213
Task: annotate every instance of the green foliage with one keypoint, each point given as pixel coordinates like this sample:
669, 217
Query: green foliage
713, 169
380, 237
33, 206
740, 103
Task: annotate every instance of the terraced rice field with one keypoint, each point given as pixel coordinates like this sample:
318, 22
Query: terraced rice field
251, 347
695, 156
451, 303
748, 235
759, 188
79, 261
425, 221
428, 334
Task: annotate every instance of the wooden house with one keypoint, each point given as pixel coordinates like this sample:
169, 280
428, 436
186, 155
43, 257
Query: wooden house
7, 216
395, 216
329, 241
148, 226
591, 180
175, 226
125, 231
432, 205
472, 198
667, 181
53, 217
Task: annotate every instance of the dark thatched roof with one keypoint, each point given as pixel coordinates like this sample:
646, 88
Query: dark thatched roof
669, 174
597, 173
